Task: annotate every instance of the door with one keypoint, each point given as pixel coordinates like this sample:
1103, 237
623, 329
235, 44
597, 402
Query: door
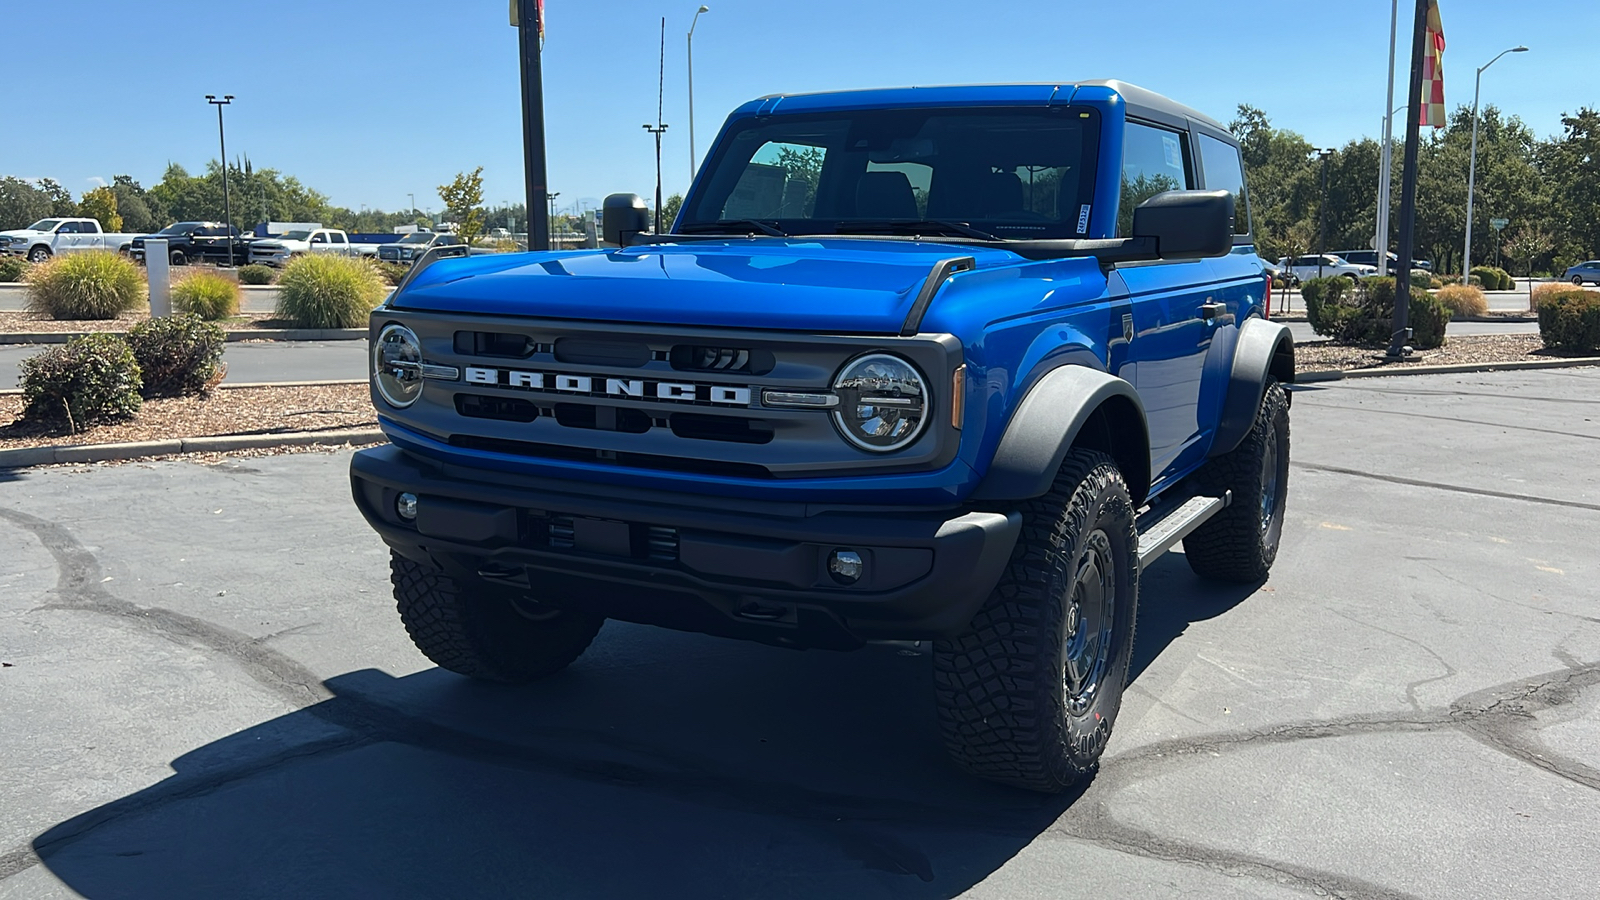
68, 237
319, 242
1173, 307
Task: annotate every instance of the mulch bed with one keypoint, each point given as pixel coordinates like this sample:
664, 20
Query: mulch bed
1474, 349
263, 410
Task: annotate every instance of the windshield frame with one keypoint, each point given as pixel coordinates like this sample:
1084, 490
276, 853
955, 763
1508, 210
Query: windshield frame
724, 153
50, 225
409, 239
294, 236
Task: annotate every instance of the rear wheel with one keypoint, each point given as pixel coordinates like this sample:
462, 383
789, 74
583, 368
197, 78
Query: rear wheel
1028, 693
489, 637
1240, 543
1578, 280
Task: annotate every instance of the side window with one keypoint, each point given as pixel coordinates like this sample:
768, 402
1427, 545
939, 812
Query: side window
319, 238
780, 182
1153, 161
336, 238
68, 228
1225, 172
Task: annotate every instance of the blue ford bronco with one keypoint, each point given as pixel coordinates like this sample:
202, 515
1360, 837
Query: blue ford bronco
935, 364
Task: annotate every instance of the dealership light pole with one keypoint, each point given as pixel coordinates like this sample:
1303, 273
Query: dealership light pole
528, 16
1322, 212
1472, 163
692, 158
227, 210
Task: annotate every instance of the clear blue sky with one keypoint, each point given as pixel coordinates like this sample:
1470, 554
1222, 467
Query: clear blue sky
367, 100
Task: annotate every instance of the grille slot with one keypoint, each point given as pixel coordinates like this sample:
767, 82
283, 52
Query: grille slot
589, 352
602, 418
661, 543
634, 460
504, 409
700, 358
494, 343
720, 428
563, 536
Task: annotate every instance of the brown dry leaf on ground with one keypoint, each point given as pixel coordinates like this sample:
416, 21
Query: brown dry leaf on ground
34, 323
1474, 349
265, 410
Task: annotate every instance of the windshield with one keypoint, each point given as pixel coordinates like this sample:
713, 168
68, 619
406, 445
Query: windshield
179, 228
418, 238
294, 235
1011, 173
44, 225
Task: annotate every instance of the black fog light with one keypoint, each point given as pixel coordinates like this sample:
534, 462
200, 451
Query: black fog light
846, 566
405, 506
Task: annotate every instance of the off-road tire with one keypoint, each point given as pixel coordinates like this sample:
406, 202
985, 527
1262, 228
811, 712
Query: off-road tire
1240, 543
484, 637
1001, 685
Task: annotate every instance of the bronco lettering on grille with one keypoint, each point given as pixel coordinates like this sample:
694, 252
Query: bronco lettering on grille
637, 388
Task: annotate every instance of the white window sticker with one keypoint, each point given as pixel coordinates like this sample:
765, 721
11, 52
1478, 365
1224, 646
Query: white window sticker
1169, 143
1083, 219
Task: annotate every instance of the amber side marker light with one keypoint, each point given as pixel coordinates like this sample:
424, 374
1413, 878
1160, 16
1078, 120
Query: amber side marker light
958, 396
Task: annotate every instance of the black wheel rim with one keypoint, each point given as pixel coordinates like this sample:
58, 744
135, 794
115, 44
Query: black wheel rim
1269, 479
1086, 642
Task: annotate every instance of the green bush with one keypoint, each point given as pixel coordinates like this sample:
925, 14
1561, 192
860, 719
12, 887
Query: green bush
1506, 281
94, 285
319, 291
1420, 279
178, 355
392, 273
1570, 320
1429, 318
1363, 313
1493, 278
1327, 306
207, 295
255, 274
12, 268
88, 380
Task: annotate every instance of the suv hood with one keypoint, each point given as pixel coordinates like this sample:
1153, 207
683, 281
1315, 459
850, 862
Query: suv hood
843, 285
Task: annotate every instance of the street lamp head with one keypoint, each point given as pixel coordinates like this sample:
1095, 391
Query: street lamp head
1519, 49
211, 96
230, 96
703, 9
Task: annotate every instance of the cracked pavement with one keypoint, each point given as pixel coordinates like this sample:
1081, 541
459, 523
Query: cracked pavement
206, 692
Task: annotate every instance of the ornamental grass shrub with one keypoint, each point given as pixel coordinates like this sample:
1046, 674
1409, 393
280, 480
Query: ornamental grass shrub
1541, 291
322, 291
12, 268
93, 285
1569, 320
178, 355
255, 274
391, 273
86, 381
1463, 300
207, 295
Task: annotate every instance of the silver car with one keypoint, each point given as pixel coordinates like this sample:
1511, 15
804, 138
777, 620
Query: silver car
1584, 273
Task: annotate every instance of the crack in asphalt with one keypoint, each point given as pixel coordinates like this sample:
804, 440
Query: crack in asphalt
1502, 718
1416, 415
1441, 486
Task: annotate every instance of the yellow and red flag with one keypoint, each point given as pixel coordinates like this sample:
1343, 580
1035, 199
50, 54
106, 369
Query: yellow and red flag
1433, 111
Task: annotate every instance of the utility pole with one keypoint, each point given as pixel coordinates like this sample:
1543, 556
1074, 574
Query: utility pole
693, 160
1380, 243
227, 209
659, 128
1322, 211
528, 16
1472, 163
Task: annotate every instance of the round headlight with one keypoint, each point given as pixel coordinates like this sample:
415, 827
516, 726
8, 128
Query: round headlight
397, 365
883, 402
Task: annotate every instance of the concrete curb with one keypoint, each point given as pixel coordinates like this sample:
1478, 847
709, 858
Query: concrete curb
242, 334
1456, 369
25, 457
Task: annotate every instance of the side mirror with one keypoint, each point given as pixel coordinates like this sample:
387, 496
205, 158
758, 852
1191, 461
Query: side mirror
1187, 224
624, 215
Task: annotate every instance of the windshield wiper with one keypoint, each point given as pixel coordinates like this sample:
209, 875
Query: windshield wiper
919, 226
731, 226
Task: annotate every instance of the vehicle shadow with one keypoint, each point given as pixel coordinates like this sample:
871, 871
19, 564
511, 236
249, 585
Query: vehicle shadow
1171, 598
702, 769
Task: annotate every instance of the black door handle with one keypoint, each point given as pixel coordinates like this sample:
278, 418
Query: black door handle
1211, 311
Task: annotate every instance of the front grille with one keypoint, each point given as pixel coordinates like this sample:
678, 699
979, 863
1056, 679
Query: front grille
583, 454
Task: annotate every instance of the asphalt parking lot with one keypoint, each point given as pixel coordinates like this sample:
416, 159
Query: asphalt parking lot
205, 693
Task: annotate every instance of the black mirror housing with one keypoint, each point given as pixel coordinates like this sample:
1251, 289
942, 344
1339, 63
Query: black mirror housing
1187, 224
624, 216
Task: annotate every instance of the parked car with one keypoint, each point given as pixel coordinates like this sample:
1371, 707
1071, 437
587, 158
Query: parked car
189, 242
1370, 258
934, 414
48, 237
279, 250
412, 246
1584, 273
1326, 265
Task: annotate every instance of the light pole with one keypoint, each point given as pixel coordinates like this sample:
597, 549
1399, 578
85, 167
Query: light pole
413, 207
227, 209
553, 195
1322, 210
692, 158
1472, 164
1386, 170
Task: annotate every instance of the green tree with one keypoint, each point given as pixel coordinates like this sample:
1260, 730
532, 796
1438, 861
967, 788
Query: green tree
1527, 244
100, 204
670, 208
463, 203
136, 207
1571, 166
21, 203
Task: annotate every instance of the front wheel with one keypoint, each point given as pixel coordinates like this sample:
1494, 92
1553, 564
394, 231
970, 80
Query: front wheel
1241, 542
39, 254
1577, 280
485, 636
177, 258
1028, 693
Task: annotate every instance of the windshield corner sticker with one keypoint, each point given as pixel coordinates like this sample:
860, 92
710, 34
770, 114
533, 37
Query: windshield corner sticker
1083, 219
1169, 143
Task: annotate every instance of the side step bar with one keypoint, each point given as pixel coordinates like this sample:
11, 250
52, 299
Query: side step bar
1159, 535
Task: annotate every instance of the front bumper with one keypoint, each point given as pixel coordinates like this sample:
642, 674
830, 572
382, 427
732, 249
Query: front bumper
733, 567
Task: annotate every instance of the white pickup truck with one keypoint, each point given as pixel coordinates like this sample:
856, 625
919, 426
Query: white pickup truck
279, 250
48, 237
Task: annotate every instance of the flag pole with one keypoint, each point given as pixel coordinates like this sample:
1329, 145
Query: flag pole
1408, 190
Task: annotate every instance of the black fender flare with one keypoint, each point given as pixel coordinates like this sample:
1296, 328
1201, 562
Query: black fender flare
1263, 349
1069, 406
